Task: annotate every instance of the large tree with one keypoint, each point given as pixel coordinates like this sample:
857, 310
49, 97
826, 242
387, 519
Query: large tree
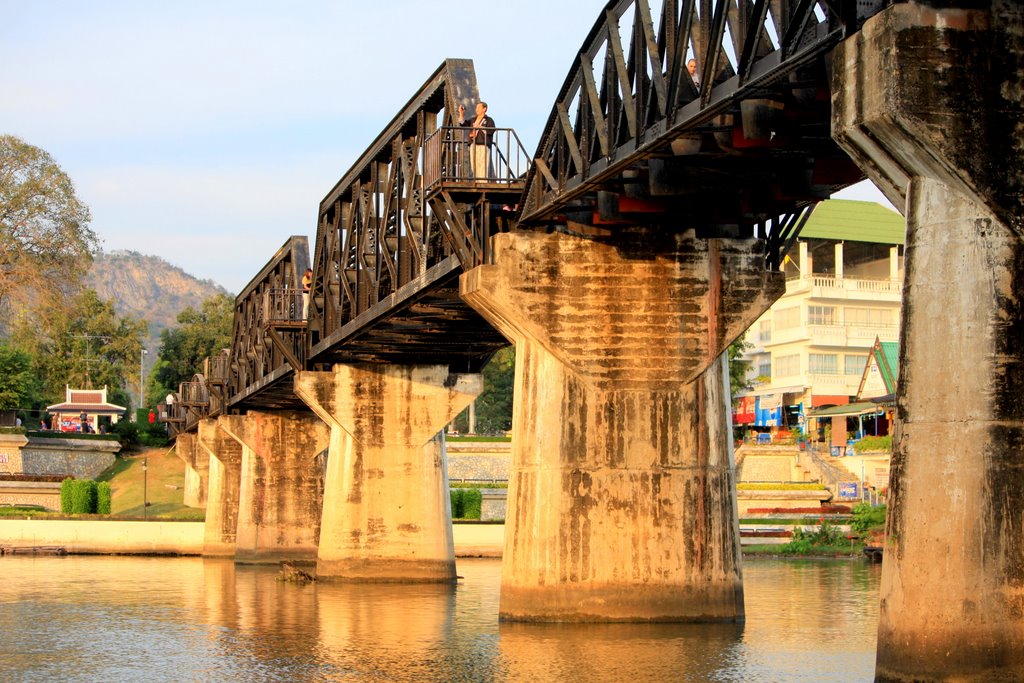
46, 244
200, 334
90, 345
17, 381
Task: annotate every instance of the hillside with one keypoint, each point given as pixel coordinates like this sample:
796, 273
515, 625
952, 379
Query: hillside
148, 287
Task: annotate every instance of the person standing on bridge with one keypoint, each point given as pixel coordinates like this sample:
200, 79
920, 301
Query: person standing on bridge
307, 284
481, 134
691, 66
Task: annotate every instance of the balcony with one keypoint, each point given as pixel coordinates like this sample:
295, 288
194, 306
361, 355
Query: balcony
827, 287
446, 162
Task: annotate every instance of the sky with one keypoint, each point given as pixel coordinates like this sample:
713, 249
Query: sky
208, 132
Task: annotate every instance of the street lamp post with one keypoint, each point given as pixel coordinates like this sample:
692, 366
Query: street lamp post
142, 378
145, 482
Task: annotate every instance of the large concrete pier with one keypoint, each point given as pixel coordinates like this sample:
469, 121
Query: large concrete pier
621, 499
386, 513
929, 102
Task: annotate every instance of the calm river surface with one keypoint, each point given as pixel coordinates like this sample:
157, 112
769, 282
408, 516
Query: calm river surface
189, 619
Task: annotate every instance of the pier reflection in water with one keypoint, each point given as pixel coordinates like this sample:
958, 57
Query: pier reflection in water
188, 619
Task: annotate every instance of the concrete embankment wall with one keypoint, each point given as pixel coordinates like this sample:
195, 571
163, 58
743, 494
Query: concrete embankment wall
115, 537
105, 536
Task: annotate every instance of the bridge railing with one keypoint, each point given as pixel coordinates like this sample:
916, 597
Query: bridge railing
447, 158
283, 305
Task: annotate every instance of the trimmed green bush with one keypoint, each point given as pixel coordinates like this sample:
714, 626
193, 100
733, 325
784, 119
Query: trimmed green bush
83, 497
873, 443
458, 501
65, 495
472, 501
103, 498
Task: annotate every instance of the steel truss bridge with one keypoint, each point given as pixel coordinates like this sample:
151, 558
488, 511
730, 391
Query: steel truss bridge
741, 148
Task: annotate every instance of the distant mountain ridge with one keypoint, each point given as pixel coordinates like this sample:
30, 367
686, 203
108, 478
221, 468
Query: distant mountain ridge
148, 288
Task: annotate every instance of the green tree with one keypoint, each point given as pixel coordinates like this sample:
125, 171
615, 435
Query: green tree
738, 368
494, 405
200, 334
90, 345
17, 381
46, 244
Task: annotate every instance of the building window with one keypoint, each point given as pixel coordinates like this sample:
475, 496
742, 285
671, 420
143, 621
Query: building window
764, 331
868, 316
764, 366
821, 315
787, 366
787, 318
855, 364
823, 364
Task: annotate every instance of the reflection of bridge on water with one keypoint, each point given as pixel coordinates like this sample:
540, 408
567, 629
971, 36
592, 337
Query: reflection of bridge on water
643, 237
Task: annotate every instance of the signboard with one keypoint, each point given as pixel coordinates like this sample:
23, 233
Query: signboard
849, 490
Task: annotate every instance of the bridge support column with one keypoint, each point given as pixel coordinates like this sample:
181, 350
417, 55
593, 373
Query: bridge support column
929, 102
281, 486
197, 469
222, 501
622, 500
386, 512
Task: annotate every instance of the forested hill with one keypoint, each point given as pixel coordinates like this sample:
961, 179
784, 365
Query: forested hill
148, 287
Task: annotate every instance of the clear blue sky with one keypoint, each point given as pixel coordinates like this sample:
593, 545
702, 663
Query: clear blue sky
208, 132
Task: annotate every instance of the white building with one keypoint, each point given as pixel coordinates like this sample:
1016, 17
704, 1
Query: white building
843, 290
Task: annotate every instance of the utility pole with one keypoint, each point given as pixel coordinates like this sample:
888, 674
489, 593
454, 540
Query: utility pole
88, 352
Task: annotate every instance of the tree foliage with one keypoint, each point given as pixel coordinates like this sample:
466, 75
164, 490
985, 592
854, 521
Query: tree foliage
738, 368
201, 334
17, 381
46, 244
494, 405
87, 345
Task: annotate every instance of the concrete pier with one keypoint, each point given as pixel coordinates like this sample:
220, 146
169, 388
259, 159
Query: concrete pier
621, 495
386, 511
929, 103
225, 478
197, 469
281, 486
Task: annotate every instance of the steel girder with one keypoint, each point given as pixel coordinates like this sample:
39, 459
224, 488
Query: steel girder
388, 252
634, 138
269, 337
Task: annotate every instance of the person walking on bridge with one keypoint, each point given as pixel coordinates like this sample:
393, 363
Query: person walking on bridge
481, 134
307, 284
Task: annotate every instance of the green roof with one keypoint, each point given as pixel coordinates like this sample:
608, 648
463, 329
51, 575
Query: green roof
855, 221
888, 358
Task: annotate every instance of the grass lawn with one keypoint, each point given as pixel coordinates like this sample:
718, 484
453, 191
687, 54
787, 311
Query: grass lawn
163, 480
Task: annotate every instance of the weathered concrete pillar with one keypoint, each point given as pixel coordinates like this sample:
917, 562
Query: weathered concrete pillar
929, 102
386, 512
222, 500
621, 497
197, 469
282, 484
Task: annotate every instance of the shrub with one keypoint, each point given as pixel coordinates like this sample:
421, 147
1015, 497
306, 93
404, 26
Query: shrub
472, 501
458, 502
83, 497
103, 498
867, 516
824, 538
873, 443
128, 434
65, 495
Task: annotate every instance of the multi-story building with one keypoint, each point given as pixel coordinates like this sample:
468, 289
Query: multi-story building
843, 290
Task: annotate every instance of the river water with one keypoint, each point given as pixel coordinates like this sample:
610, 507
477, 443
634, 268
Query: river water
80, 618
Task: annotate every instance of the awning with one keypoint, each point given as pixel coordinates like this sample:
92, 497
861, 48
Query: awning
865, 408
797, 389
